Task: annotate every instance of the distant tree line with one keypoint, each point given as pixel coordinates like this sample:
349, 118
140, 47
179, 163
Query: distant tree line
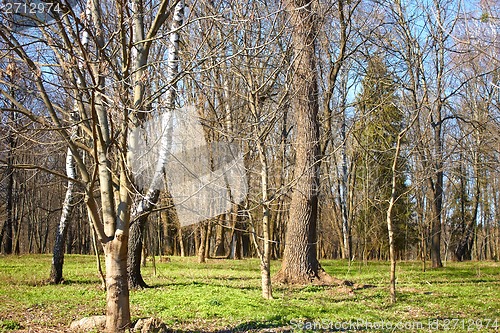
396, 59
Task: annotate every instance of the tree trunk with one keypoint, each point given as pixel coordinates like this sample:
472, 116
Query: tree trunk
208, 237
97, 256
181, 240
135, 280
203, 241
237, 243
56, 273
300, 264
117, 296
265, 260
437, 123
390, 228
7, 230
220, 249
235, 251
436, 210
152, 196
344, 197
166, 247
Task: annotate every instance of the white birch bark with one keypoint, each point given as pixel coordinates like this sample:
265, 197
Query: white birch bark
149, 200
392, 201
56, 274
390, 228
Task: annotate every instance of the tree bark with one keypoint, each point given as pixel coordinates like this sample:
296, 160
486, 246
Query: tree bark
344, 197
7, 230
438, 140
235, 251
135, 279
181, 240
151, 198
8, 227
208, 238
203, 241
390, 227
56, 273
436, 209
117, 296
265, 256
220, 249
300, 264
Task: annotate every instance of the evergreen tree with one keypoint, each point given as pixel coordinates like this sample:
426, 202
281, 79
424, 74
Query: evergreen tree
379, 122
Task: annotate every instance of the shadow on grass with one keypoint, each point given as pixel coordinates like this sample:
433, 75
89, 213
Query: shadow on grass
81, 281
251, 326
201, 284
257, 326
278, 327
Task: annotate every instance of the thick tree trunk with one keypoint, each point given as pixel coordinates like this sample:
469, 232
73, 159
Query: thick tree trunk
300, 264
117, 296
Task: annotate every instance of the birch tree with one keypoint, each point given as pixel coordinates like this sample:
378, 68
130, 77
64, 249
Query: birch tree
56, 272
143, 45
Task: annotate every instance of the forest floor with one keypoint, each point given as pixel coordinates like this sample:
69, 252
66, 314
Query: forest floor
224, 296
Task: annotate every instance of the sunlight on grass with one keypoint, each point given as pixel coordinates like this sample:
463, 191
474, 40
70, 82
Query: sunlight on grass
226, 294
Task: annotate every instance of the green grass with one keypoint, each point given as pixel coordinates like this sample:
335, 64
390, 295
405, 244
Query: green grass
225, 294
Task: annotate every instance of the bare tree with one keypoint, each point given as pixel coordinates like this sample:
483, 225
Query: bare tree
142, 49
300, 262
103, 107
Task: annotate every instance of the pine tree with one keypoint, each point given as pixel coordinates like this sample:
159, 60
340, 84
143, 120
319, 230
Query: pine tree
377, 130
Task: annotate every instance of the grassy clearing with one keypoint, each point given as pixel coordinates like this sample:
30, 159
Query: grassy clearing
225, 295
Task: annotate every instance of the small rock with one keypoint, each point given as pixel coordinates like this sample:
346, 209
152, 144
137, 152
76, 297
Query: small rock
89, 323
150, 325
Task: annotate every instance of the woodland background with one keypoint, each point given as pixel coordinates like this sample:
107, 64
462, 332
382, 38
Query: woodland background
383, 66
